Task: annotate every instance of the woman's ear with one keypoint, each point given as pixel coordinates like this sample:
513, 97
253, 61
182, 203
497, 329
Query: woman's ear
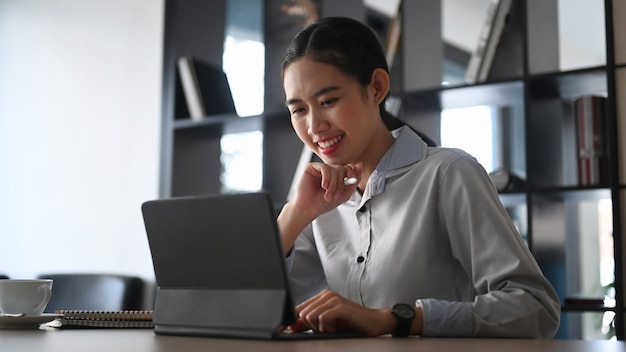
379, 84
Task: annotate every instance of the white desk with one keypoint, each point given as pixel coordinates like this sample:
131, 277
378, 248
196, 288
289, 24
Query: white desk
141, 340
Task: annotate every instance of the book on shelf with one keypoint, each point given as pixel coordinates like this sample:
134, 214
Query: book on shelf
481, 59
205, 87
122, 319
508, 59
590, 113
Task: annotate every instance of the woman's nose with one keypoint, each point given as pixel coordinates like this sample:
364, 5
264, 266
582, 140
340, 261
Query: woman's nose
317, 123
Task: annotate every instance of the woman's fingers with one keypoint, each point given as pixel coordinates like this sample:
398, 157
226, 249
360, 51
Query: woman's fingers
337, 181
324, 312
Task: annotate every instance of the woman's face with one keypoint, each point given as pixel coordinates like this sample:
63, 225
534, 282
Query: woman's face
331, 113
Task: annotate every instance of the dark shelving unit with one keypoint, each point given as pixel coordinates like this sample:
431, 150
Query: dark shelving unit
537, 106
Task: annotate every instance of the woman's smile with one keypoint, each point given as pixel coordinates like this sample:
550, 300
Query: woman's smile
329, 145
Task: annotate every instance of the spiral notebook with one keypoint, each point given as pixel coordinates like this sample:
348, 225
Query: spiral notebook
123, 319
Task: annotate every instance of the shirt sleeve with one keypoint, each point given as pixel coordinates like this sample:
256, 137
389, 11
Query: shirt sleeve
513, 298
304, 268
445, 318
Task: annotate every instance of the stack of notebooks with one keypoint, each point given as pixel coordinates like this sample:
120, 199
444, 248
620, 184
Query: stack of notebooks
105, 319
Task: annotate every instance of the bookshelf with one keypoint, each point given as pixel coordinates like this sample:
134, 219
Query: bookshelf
533, 96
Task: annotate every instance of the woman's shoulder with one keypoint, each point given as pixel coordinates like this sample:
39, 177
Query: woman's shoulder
447, 154
448, 159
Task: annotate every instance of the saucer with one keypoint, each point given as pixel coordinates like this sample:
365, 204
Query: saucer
26, 321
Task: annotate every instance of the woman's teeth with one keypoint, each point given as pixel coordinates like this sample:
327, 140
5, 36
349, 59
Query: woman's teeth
330, 142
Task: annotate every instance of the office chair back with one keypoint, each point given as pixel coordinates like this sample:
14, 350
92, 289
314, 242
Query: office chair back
95, 292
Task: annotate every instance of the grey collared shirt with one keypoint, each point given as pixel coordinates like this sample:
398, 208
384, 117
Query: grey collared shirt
430, 230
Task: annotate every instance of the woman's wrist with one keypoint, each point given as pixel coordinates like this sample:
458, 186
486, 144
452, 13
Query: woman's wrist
389, 323
417, 327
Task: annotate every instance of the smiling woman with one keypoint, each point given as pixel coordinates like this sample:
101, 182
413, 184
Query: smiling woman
404, 224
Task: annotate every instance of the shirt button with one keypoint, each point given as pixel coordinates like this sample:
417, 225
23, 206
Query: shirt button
360, 259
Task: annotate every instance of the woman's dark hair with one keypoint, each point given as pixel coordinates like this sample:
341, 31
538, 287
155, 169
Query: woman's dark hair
351, 47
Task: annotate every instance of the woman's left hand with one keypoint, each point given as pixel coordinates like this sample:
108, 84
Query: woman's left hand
328, 312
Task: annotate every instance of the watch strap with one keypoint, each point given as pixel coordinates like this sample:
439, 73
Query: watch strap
404, 314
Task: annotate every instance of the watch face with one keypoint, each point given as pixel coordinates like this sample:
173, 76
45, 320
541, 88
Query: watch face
404, 311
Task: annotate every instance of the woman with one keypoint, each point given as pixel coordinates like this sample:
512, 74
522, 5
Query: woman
420, 244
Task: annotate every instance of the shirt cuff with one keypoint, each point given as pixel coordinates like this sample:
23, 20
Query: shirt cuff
446, 318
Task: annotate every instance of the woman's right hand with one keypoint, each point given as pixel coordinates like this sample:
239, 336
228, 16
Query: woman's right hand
320, 189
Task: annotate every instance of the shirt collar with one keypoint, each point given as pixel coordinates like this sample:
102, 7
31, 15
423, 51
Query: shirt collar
407, 149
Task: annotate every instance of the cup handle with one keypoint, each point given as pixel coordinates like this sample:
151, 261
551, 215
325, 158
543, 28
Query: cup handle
47, 292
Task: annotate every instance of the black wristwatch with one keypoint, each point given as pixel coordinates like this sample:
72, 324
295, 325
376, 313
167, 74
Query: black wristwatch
404, 314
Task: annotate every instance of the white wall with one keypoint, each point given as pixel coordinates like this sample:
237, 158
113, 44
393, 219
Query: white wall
582, 41
80, 92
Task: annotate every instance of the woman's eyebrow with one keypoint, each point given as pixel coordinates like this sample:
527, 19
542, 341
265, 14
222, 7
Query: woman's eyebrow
317, 94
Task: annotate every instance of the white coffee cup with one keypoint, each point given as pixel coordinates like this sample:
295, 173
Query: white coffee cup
28, 297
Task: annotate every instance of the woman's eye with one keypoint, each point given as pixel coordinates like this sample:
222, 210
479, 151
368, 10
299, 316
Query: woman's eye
296, 111
329, 101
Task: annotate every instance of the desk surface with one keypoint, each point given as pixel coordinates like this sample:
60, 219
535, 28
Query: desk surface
144, 340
